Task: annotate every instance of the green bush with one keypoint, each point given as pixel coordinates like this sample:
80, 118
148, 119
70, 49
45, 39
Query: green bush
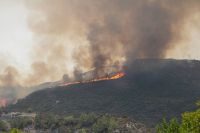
47, 121
64, 129
87, 119
21, 123
29, 110
15, 131
105, 124
190, 123
171, 127
82, 131
198, 104
4, 125
70, 121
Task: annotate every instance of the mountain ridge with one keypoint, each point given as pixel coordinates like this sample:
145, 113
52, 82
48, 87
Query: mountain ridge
152, 89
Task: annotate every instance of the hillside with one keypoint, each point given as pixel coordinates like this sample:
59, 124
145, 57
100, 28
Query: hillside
150, 90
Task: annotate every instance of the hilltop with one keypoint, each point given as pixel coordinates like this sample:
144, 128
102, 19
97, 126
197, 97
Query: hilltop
151, 89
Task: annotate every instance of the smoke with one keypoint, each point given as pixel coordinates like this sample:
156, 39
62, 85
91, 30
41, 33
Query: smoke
113, 31
116, 30
73, 36
9, 76
10, 89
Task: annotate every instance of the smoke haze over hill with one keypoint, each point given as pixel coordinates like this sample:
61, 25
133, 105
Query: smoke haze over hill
71, 36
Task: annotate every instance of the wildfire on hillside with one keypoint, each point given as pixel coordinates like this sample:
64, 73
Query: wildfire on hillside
118, 75
109, 77
112, 76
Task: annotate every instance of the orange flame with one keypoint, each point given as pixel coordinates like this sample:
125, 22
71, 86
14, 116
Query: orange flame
108, 77
113, 77
118, 75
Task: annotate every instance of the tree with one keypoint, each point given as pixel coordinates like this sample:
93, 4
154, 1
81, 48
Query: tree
70, 121
87, 119
105, 124
46, 121
29, 110
198, 104
82, 131
4, 126
21, 123
15, 131
190, 123
171, 127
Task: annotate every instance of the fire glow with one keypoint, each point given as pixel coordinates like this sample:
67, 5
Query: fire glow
118, 75
3, 103
115, 76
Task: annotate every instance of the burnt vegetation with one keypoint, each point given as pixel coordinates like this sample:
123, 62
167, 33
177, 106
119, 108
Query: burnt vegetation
151, 89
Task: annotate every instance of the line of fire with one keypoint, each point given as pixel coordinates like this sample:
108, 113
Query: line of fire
95, 75
98, 74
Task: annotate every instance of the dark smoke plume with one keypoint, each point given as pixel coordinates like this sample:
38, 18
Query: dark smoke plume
113, 29
74, 36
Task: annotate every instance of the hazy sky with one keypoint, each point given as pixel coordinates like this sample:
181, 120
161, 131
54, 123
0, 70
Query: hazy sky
16, 40
15, 37
41, 40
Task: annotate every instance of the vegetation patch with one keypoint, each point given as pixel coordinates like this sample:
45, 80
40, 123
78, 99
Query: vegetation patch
190, 123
